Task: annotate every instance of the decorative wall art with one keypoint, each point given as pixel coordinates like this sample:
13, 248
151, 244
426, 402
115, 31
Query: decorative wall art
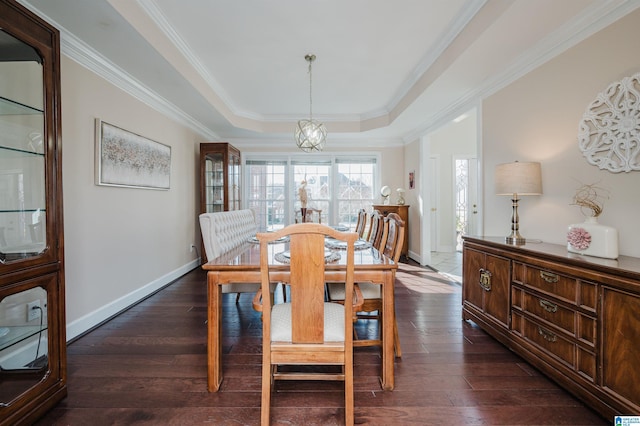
412, 179
129, 160
609, 133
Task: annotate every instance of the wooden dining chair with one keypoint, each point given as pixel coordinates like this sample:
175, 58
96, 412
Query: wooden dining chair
306, 330
376, 223
312, 216
361, 224
391, 247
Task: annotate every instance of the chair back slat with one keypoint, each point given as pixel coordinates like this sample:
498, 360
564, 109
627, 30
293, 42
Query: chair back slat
394, 236
375, 229
307, 287
362, 222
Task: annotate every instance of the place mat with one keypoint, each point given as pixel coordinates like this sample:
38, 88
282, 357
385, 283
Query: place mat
329, 256
284, 239
342, 245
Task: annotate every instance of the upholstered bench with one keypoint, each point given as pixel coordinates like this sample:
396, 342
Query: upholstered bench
223, 232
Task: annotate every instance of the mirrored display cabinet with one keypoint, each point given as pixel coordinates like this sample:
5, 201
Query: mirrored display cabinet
219, 177
32, 319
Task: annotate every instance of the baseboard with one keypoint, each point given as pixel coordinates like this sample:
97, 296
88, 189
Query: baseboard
414, 256
91, 320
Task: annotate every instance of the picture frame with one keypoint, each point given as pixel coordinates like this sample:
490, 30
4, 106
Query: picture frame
126, 159
412, 179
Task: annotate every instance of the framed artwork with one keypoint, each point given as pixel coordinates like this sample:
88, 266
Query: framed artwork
412, 179
129, 160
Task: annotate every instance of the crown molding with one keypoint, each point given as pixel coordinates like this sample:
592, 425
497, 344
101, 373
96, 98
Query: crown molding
591, 21
87, 57
469, 10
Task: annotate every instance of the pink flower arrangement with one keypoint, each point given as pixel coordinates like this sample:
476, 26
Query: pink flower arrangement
579, 238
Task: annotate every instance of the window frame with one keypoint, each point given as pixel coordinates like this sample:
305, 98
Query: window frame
291, 159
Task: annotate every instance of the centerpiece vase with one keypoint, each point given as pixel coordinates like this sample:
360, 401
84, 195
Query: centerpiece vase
593, 239
303, 210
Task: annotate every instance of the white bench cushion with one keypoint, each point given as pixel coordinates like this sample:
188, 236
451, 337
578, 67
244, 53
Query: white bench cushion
224, 231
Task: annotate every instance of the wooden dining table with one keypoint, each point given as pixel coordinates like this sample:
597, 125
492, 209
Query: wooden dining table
242, 265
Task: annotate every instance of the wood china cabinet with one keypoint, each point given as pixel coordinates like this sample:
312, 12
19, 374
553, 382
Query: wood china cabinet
576, 318
32, 312
219, 177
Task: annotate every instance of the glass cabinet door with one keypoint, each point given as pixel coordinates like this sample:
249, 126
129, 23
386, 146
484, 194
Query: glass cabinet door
234, 183
214, 182
22, 152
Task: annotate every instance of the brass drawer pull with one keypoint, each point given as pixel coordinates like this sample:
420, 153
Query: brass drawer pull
547, 335
485, 279
549, 277
548, 306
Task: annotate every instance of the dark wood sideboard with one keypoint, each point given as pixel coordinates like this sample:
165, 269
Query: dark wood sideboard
575, 318
401, 210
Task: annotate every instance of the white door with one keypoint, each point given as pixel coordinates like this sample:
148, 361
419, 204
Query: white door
466, 198
434, 174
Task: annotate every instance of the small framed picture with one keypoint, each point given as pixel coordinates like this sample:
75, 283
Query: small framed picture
412, 179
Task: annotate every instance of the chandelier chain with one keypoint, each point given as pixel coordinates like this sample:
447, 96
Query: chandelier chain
310, 58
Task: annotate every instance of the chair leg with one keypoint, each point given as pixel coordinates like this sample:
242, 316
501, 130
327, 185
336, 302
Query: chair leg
265, 407
348, 395
396, 339
237, 298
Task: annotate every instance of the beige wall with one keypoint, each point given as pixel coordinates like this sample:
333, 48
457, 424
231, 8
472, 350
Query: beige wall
447, 144
120, 243
412, 156
536, 119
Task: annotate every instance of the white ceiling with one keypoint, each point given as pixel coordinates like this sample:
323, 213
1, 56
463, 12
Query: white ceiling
386, 71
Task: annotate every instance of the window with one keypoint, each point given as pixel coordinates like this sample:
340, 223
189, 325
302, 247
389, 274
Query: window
317, 175
355, 180
337, 185
267, 192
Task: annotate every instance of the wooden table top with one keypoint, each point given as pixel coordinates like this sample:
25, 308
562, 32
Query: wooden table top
247, 257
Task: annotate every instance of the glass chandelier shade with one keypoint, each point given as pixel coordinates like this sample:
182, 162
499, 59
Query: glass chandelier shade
310, 135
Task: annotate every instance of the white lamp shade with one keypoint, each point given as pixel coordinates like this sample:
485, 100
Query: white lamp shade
518, 178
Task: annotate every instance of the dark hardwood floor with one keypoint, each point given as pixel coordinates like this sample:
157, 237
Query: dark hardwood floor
147, 366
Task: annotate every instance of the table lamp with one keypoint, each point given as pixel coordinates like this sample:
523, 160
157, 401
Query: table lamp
517, 179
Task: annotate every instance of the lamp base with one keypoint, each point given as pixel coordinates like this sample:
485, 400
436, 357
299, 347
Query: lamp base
515, 241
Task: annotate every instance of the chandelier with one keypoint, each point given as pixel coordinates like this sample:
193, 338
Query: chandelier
310, 134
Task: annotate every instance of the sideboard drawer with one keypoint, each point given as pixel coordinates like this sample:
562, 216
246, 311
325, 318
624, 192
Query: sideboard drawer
576, 324
547, 309
549, 282
558, 346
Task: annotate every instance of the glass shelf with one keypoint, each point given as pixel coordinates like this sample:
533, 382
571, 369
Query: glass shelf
16, 334
9, 107
13, 153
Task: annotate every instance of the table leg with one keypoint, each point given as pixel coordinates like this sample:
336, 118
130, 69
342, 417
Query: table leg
214, 332
388, 315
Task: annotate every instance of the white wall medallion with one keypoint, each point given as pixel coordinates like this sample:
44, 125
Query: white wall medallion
609, 133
